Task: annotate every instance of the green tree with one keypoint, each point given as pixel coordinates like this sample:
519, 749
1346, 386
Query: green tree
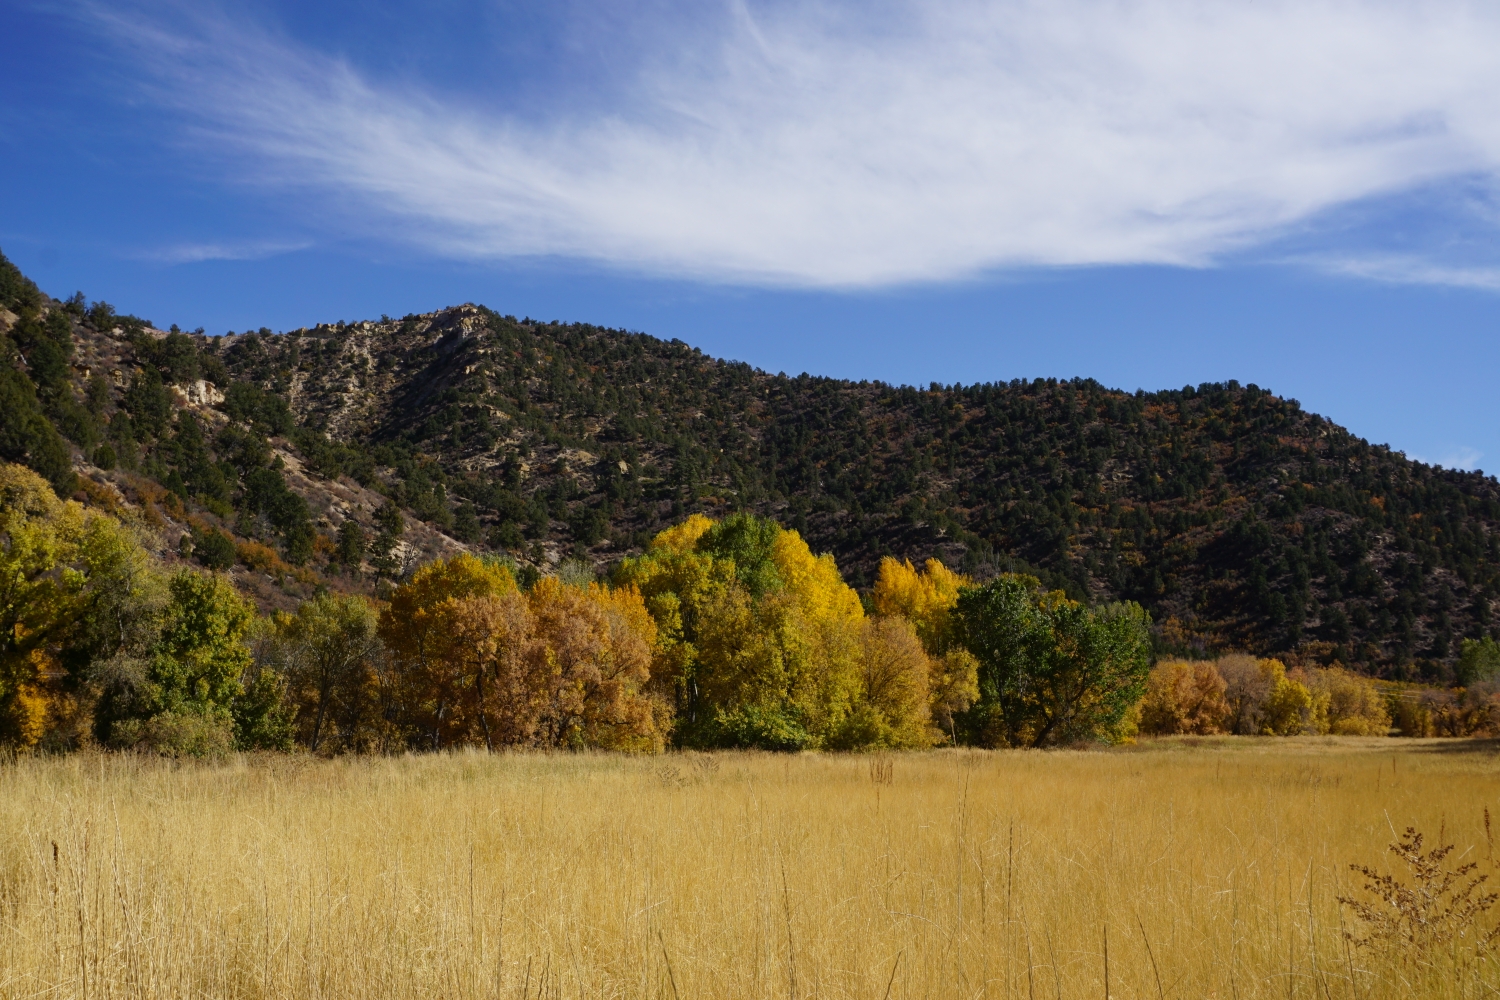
763, 641
1478, 660
26, 435
194, 666
261, 721
391, 525
466, 524
175, 356
267, 495
213, 549
589, 524
200, 474
33, 384
350, 549
202, 653
747, 543
264, 411
121, 431
149, 403
1052, 670
17, 292
326, 653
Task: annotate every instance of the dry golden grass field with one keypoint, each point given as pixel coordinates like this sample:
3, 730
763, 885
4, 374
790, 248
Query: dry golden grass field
1212, 870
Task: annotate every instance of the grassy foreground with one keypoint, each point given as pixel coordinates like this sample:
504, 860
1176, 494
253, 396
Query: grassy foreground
1212, 869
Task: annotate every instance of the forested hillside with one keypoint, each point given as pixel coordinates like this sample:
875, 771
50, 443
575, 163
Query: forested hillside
334, 455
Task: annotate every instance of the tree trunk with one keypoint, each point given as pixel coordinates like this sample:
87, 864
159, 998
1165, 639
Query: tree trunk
323, 688
484, 721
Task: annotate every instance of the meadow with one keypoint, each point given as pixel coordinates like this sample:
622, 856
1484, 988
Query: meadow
1179, 868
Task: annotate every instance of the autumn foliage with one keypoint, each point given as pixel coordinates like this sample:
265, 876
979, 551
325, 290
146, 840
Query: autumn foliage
763, 644
476, 661
1248, 696
1183, 697
725, 633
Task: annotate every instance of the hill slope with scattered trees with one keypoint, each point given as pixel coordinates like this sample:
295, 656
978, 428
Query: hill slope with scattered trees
1236, 518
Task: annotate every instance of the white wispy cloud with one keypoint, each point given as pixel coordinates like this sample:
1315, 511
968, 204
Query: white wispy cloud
821, 145
194, 253
1461, 457
1410, 269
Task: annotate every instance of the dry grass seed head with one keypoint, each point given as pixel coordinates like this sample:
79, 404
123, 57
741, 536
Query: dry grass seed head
1434, 906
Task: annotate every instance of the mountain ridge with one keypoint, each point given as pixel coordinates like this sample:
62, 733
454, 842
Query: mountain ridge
1239, 519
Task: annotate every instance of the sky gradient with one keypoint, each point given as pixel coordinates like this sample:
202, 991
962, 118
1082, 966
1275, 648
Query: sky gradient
1152, 194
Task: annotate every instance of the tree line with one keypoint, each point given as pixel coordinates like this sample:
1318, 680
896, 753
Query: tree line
727, 633
724, 633
1244, 695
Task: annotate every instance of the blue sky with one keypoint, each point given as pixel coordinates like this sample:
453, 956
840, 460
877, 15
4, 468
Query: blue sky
1147, 192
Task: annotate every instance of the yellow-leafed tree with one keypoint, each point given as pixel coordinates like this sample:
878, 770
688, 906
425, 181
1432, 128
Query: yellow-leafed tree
762, 640
891, 708
1344, 703
1183, 697
1291, 708
926, 598
57, 561
822, 634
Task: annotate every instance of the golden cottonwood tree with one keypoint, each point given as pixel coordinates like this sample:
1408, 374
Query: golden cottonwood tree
766, 645
435, 663
821, 631
1242, 694
927, 598
1347, 704
1263, 700
57, 561
726, 643
1289, 710
480, 662
891, 707
589, 655
1183, 697
488, 634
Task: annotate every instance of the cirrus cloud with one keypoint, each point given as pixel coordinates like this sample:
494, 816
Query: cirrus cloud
857, 146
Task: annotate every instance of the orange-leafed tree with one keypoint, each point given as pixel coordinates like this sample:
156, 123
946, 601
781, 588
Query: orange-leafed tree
1183, 697
561, 665
489, 685
588, 661
433, 659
